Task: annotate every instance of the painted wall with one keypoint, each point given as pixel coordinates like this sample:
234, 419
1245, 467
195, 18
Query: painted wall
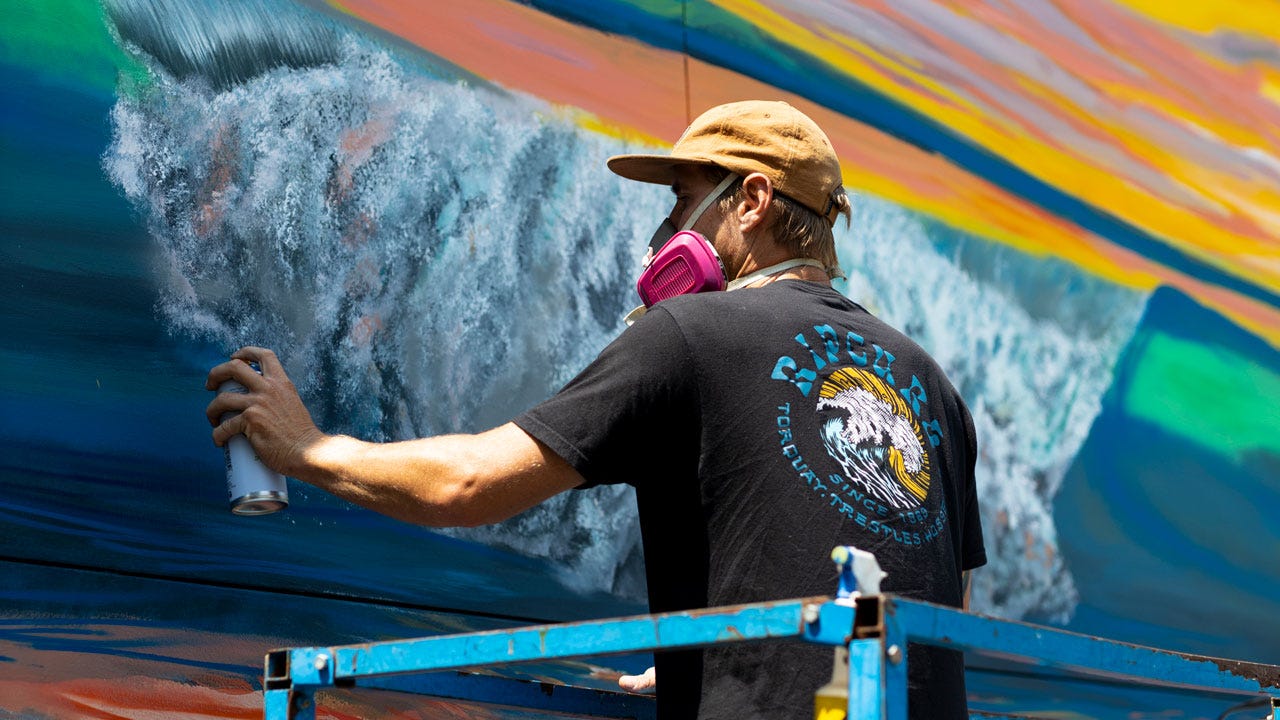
1072, 206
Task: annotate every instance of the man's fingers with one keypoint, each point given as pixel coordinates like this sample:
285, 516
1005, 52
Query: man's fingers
237, 368
266, 359
226, 430
234, 369
269, 413
639, 683
219, 374
224, 403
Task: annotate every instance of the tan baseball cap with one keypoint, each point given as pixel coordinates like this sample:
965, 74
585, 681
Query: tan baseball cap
768, 137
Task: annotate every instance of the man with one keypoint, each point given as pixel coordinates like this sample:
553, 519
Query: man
760, 427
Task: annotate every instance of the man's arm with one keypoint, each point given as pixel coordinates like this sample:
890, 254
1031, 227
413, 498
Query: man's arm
449, 480
966, 579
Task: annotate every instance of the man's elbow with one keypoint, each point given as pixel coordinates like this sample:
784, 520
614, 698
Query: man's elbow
464, 514
460, 503
487, 478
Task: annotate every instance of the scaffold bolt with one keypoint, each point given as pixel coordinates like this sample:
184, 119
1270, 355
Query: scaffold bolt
894, 654
810, 613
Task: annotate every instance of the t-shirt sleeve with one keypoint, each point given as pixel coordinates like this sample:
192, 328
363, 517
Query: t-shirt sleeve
631, 413
974, 553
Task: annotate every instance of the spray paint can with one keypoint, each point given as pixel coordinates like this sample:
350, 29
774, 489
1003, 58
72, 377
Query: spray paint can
252, 487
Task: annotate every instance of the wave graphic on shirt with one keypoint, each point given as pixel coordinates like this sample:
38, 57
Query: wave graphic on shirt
430, 255
877, 447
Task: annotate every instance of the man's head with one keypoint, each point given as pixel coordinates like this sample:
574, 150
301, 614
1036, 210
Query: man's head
789, 184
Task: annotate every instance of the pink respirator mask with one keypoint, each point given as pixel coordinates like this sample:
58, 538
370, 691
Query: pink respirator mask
682, 262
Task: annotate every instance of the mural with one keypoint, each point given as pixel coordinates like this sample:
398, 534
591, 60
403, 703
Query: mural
1073, 206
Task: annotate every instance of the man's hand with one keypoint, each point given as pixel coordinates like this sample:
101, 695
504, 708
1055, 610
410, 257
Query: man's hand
443, 481
645, 683
271, 415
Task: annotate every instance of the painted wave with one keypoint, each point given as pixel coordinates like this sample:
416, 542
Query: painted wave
369, 218
1031, 345
223, 44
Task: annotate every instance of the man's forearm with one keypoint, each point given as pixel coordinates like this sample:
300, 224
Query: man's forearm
418, 481
449, 480
443, 481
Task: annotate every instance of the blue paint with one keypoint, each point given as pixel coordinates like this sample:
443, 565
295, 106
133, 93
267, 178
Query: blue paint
276, 704
834, 623
79, 643
1172, 312
1126, 552
867, 697
139, 516
103, 443
534, 696
660, 25
1004, 688
94, 620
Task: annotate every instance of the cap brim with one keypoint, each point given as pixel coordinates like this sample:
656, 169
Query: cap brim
660, 169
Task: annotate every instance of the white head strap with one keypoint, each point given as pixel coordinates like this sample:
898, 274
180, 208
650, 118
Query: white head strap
773, 270
710, 198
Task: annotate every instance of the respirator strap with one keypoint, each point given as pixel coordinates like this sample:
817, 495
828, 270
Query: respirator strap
631, 317
710, 198
773, 270
635, 314
656, 244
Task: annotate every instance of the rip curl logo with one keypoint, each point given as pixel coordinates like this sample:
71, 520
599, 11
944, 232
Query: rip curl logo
873, 429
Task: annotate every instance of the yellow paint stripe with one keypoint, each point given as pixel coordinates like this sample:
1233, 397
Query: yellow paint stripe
1253, 17
1099, 187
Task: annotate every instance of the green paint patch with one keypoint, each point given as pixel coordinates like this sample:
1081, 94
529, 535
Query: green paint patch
66, 40
1206, 394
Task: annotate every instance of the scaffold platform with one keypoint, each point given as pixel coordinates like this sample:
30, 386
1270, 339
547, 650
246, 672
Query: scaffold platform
875, 629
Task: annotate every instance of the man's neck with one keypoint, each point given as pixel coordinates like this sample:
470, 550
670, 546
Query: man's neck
808, 273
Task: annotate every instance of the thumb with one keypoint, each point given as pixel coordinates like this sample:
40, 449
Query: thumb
645, 683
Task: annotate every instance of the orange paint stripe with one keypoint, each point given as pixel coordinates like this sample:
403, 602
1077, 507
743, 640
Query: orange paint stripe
520, 48
133, 698
636, 90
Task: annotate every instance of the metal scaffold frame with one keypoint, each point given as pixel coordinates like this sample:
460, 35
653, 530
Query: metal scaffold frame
875, 628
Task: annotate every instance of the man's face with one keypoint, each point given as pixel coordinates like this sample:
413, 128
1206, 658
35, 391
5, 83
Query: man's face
690, 187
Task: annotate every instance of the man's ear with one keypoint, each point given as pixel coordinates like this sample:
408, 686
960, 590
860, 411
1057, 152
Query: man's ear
757, 191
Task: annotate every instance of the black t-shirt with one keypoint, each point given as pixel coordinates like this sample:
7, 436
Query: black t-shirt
761, 428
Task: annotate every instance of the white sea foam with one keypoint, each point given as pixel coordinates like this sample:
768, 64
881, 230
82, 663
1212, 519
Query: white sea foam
354, 217
1032, 373
429, 256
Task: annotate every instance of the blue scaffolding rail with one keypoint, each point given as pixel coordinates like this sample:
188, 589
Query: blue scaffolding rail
874, 628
